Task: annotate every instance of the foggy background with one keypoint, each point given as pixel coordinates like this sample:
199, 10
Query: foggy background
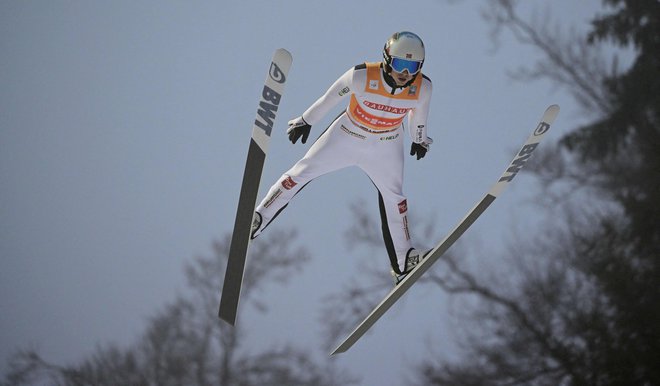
123, 133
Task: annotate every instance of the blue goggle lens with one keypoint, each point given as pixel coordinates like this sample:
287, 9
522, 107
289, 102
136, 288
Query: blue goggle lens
399, 65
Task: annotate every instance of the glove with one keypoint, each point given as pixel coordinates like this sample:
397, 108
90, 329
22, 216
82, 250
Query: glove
420, 149
297, 128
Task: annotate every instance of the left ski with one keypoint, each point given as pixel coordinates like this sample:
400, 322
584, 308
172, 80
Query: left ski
261, 130
518, 162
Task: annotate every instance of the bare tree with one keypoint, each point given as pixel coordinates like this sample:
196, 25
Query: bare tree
583, 310
579, 305
186, 344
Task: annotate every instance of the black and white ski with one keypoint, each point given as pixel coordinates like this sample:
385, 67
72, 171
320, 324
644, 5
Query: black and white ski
261, 130
512, 170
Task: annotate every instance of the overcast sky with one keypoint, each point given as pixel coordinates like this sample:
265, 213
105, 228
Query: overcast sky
124, 127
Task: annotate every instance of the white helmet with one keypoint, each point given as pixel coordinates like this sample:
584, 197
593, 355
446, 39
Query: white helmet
403, 51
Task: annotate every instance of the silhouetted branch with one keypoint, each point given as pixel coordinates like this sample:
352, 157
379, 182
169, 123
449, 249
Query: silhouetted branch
186, 344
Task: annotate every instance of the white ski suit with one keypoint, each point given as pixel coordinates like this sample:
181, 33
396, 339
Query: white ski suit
368, 134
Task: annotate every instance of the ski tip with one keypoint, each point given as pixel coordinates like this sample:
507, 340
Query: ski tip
553, 109
550, 114
282, 52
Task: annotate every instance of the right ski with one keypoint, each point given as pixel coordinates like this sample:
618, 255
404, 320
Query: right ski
261, 130
514, 167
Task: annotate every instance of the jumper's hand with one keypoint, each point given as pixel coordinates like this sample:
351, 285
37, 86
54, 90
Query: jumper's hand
420, 149
298, 128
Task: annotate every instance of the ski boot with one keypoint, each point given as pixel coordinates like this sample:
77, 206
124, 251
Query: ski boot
413, 257
256, 225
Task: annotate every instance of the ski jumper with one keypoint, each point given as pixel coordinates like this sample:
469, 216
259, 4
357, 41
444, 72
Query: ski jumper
368, 134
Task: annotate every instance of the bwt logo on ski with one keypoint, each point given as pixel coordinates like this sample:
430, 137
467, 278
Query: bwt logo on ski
520, 160
270, 99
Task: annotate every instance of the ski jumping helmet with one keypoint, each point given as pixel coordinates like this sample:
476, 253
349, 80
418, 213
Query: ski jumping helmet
403, 51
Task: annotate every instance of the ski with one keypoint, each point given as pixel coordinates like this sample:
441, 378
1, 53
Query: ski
512, 170
261, 131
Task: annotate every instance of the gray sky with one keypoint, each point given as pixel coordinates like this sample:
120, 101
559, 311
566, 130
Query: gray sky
123, 131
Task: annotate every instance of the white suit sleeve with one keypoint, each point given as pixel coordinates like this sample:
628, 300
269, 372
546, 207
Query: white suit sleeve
340, 89
418, 116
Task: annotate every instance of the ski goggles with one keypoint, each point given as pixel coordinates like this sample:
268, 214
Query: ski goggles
399, 65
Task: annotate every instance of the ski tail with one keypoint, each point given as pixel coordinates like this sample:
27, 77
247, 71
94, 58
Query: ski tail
269, 102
